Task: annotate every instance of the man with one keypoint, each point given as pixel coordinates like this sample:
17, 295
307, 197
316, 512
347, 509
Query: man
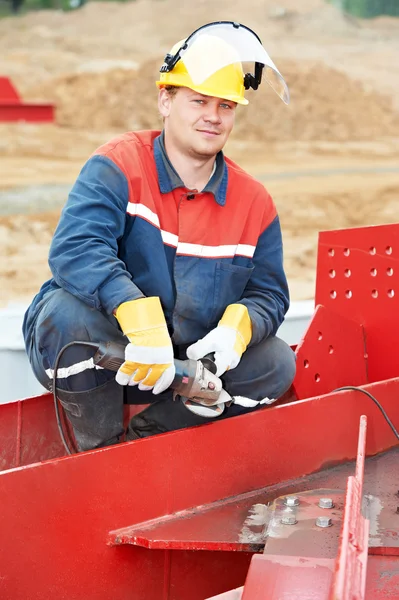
166, 244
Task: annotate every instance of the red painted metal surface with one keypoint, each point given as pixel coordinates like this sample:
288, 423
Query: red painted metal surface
382, 578
306, 556
231, 595
357, 277
68, 524
63, 509
282, 576
330, 355
13, 109
350, 575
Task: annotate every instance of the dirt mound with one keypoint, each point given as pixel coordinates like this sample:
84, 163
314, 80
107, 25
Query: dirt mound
325, 104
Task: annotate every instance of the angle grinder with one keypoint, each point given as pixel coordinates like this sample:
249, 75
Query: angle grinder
195, 382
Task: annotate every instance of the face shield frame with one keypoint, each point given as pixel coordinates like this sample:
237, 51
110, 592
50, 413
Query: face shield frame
250, 80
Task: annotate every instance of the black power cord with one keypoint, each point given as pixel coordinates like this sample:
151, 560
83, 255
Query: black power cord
67, 444
358, 389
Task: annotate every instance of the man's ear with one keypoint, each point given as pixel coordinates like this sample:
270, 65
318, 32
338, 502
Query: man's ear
164, 102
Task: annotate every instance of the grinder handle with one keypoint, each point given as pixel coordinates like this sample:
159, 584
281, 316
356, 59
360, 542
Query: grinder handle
209, 362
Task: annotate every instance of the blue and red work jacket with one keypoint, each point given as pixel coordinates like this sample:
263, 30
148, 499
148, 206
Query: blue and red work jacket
130, 228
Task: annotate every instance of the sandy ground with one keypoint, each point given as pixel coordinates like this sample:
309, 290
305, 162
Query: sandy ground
330, 160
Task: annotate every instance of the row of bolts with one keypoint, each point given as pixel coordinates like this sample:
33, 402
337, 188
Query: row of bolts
292, 501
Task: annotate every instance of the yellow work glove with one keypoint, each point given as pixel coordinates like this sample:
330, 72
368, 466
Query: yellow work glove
149, 355
228, 341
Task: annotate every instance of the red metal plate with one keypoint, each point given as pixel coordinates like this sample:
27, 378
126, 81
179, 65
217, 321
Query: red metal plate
330, 355
358, 277
63, 509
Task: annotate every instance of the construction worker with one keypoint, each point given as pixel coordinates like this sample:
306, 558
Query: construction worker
167, 245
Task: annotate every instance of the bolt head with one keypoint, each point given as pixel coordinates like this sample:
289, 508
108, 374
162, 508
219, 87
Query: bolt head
291, 501
288, 520
323, 522
326, 503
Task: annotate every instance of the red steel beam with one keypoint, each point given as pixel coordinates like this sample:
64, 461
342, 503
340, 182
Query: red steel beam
60, 512
350, 575
30, 113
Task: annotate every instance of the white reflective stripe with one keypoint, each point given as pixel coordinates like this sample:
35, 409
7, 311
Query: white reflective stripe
228, 251
245, 250
64, 372
169, 238
140, 210
215, 251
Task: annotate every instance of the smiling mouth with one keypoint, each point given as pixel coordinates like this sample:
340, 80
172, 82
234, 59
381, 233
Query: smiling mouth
207, 131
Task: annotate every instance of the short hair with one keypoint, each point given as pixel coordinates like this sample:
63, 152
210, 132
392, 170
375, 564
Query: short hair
171, 89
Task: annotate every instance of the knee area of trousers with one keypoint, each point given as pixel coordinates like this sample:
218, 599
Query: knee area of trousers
281, 362
66, 313
285, 367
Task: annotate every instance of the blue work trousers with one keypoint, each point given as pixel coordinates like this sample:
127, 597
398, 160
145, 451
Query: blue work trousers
266, 369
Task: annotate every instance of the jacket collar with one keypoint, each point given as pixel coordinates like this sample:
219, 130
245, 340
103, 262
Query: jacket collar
169, 180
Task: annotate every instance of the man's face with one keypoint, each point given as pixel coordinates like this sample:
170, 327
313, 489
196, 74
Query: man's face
195, 124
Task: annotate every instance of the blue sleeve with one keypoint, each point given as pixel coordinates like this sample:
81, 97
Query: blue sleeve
266, 295
84, 251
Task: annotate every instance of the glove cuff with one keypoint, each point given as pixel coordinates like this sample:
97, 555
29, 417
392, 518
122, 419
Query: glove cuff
237, 317
140, 314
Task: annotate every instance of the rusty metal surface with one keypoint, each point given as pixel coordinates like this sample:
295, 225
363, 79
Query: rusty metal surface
305, 538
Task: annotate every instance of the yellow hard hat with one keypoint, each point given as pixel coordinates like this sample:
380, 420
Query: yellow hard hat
226, 83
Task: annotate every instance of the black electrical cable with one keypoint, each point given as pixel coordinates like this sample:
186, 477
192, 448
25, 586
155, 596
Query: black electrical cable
358, 389
56, 407
95, 346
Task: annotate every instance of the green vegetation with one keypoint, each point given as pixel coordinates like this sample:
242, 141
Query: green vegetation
368, 9
8, 7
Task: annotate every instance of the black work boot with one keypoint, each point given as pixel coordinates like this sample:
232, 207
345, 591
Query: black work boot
162, 416
96, 415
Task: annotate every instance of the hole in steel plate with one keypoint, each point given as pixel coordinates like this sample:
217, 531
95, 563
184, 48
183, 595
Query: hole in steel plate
347, 273
373, 272
331, 252
330, 350
391, 293
317, 377
388, 250
333, 294
348, 294
306, 364
346, 251
372, 250
332, 273
390, 271
374, 293
319, 335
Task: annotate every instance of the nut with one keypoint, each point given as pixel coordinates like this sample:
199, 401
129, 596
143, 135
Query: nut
291, 500
323, 522
326, 503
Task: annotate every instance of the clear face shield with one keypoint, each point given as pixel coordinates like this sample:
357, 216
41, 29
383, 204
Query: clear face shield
216, 45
